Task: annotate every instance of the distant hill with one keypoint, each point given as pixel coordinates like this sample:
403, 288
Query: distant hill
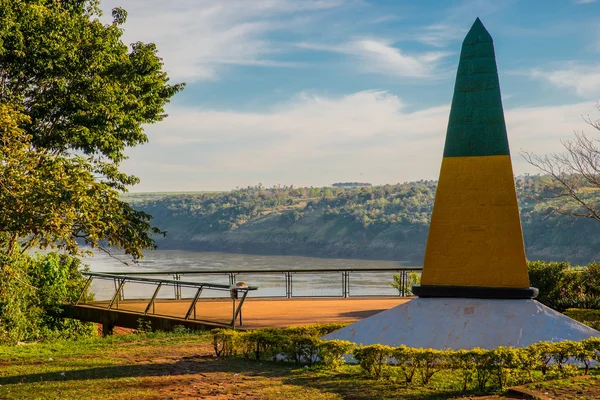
388, 222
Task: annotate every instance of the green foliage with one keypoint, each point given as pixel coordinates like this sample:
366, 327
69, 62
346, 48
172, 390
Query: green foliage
406, 363
143, 326
263, 344
405, 288
32, 292
586, 316
299, 344
301, 349
563, 286
225, 342
429, 362
374, 359
73, 98
383, 222
477, 369
332, 352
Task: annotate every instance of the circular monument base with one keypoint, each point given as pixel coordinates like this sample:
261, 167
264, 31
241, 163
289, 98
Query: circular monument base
476, 292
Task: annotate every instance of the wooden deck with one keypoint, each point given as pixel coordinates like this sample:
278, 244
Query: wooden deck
260, 313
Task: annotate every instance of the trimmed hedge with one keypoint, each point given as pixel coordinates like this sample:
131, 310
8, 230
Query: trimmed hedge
589, 317
477, 369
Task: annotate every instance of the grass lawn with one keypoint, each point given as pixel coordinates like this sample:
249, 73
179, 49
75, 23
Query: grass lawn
183, 366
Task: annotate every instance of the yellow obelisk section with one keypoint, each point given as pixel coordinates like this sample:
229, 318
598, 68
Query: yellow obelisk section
475, 236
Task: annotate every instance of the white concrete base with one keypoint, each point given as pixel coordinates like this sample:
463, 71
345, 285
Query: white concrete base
457, 323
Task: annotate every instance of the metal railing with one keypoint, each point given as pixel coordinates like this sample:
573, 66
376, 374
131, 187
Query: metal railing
120, 280
287, 283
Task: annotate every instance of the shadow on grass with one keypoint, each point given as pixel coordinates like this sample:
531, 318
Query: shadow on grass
348, 385
357, 387
184, 366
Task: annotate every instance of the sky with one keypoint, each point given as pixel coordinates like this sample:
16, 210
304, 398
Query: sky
312, 92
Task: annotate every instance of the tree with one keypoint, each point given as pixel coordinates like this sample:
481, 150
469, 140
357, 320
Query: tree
573, 175
52, 200
73, 97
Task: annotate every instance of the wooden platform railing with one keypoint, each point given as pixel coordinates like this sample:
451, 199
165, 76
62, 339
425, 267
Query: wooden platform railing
237, 293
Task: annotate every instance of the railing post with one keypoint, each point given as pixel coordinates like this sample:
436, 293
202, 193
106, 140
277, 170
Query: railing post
152, 300
238, 311
193, 305
177, 288
117, 294
345, 284
85, 289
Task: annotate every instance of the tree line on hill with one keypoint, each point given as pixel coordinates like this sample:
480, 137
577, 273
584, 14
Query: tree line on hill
381, 222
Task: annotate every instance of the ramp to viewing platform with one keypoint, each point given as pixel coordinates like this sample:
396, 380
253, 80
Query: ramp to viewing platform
198, 305
257, 313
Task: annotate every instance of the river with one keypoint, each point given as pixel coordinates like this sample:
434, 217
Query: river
271, 284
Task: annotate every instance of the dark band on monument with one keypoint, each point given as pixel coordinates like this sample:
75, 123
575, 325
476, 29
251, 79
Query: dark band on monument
474, 292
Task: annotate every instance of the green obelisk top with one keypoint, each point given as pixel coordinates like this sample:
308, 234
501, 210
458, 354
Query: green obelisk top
476, 126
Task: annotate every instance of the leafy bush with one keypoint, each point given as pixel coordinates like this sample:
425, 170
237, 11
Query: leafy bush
405, 288
332, 352
263, 344
586, 316
429, 362
225, 342
405, 362
33, 290
563, 286
479, 369
374, 359
302, 349
297, 343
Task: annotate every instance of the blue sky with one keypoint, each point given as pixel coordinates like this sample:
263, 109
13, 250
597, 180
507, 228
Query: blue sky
311, 92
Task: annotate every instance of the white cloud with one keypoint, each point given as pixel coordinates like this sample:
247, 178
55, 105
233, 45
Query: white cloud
197, 37
583, 79
585, 1
438, 35
316, 140
379, 56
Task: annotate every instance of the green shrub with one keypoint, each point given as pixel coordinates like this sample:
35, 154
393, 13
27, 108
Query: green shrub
552, 279
461, 360
579, 300
528, 360
592, 345
506, 362
483, 362
542, 352
586, 316
429, 362
332, 352
590, 278
33, 290
413, 278
225, 342
374, 359
262, 344
562, 286
406, 363
498, 368
302, 349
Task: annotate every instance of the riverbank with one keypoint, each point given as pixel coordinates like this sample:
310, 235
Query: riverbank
387, 222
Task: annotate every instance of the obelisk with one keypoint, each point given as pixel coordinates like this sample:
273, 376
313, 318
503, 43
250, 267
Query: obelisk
475, 243
475, 288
